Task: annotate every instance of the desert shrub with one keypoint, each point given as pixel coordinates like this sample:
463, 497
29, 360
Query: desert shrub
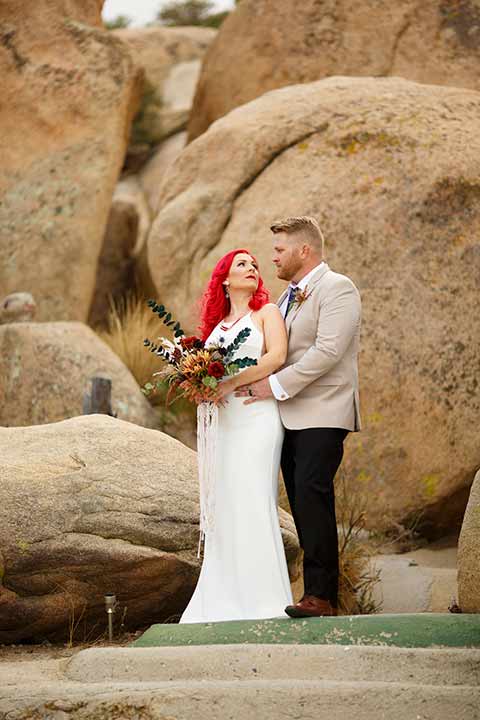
120, 22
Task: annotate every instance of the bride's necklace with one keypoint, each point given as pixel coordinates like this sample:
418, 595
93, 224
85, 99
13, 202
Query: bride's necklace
228, 327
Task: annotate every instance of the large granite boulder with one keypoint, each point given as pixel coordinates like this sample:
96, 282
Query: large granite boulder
45, 369
94, 505
267, 44
171, 59
469, 553
71, 89
390, 169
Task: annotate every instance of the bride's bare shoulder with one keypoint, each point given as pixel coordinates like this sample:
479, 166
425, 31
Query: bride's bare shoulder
268, 310
269, 313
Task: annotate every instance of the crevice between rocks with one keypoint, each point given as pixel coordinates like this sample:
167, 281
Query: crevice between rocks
251, 179
403, 29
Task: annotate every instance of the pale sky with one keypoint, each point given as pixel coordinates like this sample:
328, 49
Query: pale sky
143, 11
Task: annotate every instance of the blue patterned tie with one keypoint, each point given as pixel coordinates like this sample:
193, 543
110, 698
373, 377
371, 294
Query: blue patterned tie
291, 298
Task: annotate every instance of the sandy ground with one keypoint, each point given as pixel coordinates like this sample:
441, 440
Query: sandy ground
56, 651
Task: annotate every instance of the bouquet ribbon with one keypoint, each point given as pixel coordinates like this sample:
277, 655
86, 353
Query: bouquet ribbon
207, 431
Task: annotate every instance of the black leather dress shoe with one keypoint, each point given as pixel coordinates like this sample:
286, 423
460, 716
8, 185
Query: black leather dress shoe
311, 606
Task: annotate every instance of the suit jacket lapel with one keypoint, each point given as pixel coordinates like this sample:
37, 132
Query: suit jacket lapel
314, 280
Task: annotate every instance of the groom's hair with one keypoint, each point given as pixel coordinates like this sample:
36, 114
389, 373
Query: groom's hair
304, 224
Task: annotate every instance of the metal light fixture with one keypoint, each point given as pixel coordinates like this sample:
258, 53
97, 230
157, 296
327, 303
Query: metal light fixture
110, 607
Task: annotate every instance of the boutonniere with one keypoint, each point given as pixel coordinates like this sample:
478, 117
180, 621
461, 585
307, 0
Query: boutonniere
301, 296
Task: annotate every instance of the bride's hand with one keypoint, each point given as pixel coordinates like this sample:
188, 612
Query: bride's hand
225, 388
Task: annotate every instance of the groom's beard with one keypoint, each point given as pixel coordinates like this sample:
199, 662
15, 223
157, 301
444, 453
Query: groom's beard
289, 271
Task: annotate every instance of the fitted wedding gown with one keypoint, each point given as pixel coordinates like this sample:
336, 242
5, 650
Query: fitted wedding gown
244, 573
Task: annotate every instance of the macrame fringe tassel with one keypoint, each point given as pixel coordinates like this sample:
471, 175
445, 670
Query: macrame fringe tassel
207, 429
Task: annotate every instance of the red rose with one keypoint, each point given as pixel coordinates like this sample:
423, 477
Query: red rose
216, 369
189, 342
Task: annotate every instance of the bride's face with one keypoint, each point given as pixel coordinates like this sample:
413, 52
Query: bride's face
243, 273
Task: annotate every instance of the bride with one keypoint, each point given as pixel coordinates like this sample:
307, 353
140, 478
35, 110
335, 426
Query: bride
244, 573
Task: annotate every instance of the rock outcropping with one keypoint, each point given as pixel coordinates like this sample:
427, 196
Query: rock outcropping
94, 505
267, 44
17, 307
71, 89
171, 59
469, 553
45, 369
390, 169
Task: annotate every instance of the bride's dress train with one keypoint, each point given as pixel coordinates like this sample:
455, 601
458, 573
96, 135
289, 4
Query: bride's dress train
244, 573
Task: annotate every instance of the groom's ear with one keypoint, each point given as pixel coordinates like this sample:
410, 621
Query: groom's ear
305, 251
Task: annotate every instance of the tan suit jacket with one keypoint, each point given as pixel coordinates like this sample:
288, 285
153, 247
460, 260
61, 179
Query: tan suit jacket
320, 373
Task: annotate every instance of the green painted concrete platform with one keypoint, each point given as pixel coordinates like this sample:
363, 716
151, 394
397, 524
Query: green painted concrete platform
417, 631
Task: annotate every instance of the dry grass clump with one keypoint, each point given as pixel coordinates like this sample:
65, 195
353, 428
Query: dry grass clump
129, 321
357, 577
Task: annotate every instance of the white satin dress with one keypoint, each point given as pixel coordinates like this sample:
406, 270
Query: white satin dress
244, 573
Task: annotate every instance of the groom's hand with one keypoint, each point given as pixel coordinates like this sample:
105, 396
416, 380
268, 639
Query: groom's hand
259, 390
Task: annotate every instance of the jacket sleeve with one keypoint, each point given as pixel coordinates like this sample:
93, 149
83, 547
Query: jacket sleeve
338, 321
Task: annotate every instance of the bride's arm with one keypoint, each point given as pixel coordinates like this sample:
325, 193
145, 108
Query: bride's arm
276, 343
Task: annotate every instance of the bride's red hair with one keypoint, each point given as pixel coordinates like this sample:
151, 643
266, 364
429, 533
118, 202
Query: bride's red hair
214, 305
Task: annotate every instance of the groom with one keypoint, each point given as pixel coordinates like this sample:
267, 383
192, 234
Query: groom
317, 390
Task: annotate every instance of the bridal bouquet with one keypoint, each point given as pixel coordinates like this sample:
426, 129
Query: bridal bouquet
196, 371
192, 368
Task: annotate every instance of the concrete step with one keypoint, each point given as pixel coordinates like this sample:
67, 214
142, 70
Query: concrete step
245, 700
313, 663
311, 682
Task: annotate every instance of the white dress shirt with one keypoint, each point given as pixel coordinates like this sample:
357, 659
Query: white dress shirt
277, 390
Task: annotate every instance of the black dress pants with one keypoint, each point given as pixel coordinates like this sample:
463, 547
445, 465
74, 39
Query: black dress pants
310, 459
